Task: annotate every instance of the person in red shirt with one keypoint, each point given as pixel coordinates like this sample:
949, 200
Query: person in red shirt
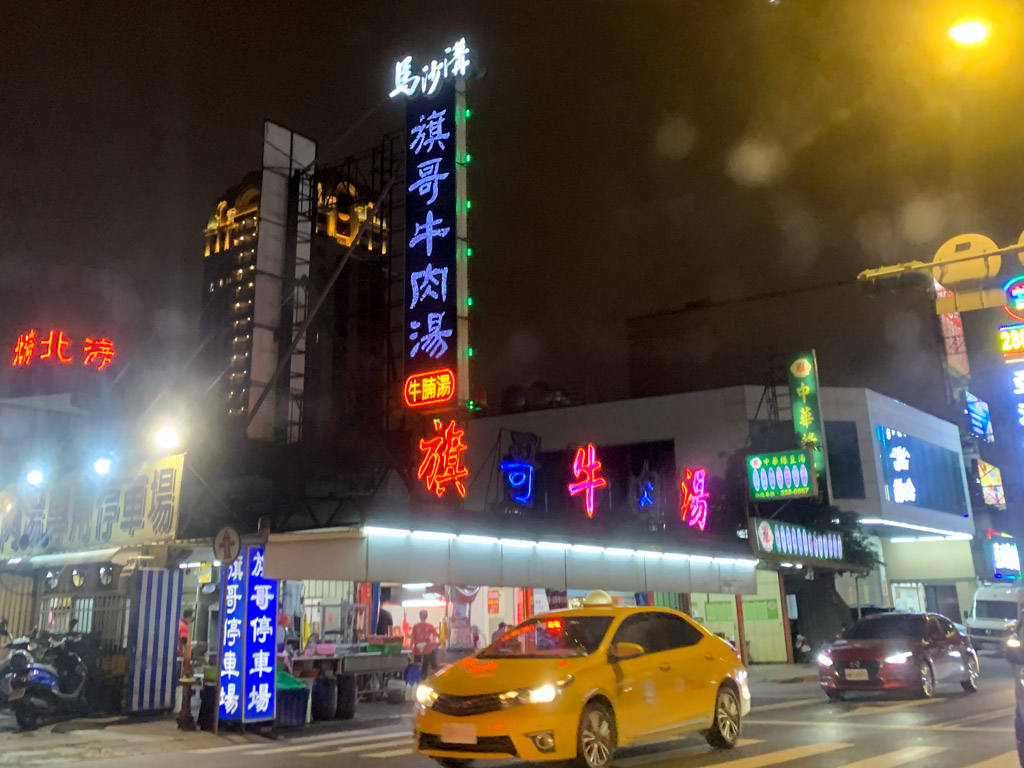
424, 645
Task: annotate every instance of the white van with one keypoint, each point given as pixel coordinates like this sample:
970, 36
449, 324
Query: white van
994, 614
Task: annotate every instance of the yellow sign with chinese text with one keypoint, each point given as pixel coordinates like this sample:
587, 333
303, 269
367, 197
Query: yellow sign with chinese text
80, 512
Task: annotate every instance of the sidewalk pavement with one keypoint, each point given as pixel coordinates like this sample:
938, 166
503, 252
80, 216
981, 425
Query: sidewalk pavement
782, 673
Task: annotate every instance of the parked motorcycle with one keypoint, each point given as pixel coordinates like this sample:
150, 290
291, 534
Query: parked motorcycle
51, 688
18, 657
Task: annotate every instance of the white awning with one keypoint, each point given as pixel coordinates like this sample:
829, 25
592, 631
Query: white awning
117, 555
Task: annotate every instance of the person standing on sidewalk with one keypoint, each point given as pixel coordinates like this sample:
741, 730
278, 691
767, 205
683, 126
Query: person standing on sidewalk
424, 645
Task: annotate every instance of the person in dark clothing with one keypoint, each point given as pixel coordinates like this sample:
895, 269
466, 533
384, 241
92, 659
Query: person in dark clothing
384, 622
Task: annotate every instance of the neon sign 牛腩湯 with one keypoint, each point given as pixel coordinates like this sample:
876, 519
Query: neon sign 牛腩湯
429, 388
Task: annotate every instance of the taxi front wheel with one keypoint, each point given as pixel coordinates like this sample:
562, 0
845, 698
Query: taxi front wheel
452, 762
596, 738
725, 728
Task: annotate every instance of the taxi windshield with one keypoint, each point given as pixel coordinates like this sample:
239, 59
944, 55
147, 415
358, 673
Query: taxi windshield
550, 637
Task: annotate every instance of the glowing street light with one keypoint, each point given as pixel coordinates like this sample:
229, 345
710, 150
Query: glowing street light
34, 477
101, 465
969, 32
167, 438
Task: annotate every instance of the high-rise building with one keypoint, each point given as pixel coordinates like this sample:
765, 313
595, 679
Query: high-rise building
267, 259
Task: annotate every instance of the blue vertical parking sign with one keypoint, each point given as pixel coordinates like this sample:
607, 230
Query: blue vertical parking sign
247, 667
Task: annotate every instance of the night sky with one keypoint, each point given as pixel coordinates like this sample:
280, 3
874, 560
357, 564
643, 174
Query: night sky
628, 156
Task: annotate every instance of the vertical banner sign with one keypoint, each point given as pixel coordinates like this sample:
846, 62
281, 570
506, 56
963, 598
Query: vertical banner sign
807, 421
261, 621
247, 670
436, 283
232, 611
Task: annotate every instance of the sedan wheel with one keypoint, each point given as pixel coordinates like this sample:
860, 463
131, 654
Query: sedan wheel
971, 683
725, 729
596, 743
926, 686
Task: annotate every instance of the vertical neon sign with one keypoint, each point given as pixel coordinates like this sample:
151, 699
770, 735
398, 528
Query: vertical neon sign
585, 468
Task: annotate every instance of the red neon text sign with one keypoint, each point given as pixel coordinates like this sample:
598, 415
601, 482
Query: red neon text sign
429, 388
695, 498
442, 460
56, 347
585, 468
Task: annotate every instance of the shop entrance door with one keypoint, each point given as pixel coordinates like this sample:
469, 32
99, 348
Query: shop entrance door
942, 598
908, 597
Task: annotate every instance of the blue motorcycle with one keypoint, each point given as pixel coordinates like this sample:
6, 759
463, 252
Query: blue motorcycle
50, 689
18, 656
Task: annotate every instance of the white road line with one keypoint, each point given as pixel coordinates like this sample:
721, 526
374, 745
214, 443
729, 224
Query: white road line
1004, 760
361, 743
783, 755
356, 735
899, 757
788, 704
407, 742
391, 753
874, 726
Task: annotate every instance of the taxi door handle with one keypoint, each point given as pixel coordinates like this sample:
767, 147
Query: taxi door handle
665, 667
709, 657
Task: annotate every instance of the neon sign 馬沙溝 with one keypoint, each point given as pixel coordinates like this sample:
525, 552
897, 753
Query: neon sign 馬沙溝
431, 77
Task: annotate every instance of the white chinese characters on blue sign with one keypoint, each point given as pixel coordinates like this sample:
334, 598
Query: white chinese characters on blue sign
233, 611
903, 490
249, 607
430, 77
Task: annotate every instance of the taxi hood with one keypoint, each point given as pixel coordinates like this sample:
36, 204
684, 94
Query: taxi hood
474, 676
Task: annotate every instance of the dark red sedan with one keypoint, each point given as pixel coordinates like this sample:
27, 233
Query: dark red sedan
910, 652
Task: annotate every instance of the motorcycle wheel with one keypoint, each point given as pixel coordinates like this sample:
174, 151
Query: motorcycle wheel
27, 717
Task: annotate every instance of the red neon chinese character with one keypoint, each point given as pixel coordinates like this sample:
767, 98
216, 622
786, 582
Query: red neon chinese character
24, 347
442, 460
591, 481
98, 349
55, 346
695, 498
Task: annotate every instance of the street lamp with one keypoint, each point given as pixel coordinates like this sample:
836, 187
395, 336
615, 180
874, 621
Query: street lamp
34, 477
101, 466
167, 438
969, 32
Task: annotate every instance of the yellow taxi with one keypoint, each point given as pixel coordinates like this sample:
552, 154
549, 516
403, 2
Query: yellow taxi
576, 685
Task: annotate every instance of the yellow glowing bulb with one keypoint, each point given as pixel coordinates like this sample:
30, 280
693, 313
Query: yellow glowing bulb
969, 32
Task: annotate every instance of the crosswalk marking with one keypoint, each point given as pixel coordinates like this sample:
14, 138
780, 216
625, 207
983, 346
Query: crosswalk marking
673, 752
899, 757
1005, 760
362, 742
338, 736
886, 708
979, 718
390, 753
788, 704
916, 727
783, 755
344, 750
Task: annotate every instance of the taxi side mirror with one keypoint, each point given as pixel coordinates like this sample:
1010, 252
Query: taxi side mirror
622, 651
1015, 652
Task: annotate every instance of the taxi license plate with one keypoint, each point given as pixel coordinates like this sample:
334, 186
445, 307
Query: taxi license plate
458, 733
856, 674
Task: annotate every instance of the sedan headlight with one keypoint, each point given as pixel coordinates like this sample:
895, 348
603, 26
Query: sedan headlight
898, 658
824, 660
543, 694
425, 695
1012, 642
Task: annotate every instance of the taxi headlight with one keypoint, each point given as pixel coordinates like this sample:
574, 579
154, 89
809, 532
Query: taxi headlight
543, 694
425, 695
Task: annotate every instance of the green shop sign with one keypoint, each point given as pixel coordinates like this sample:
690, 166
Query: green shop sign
780, 540
783, 475
803, 394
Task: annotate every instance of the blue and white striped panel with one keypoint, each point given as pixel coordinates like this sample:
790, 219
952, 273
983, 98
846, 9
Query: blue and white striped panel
153, 638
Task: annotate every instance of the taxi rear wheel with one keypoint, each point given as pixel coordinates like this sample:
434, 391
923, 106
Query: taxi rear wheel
725, 728
596, 739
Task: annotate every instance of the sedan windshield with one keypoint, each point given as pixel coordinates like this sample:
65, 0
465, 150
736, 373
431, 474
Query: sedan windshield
995, 609
885, 627
550, 637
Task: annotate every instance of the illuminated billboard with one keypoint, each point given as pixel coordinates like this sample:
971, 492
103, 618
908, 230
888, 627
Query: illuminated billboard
991, 481
979, 416
920, 474
783, 475
1002, 555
